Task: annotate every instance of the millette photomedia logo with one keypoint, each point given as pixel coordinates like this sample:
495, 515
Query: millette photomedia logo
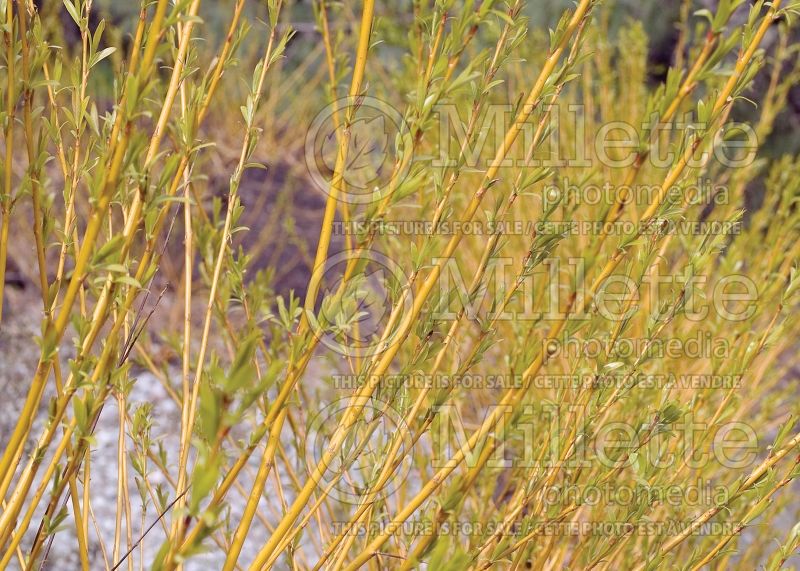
363, 298
359, 470
375, 133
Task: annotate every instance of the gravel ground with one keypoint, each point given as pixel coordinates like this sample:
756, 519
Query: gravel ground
18, 358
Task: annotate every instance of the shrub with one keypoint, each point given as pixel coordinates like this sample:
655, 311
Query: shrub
451, 291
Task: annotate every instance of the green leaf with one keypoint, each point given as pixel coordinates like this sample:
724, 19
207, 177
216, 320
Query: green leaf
73, 12
101, 55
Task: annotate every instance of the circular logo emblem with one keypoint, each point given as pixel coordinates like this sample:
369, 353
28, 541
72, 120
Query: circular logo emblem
356, 466
354, 315
375, 133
